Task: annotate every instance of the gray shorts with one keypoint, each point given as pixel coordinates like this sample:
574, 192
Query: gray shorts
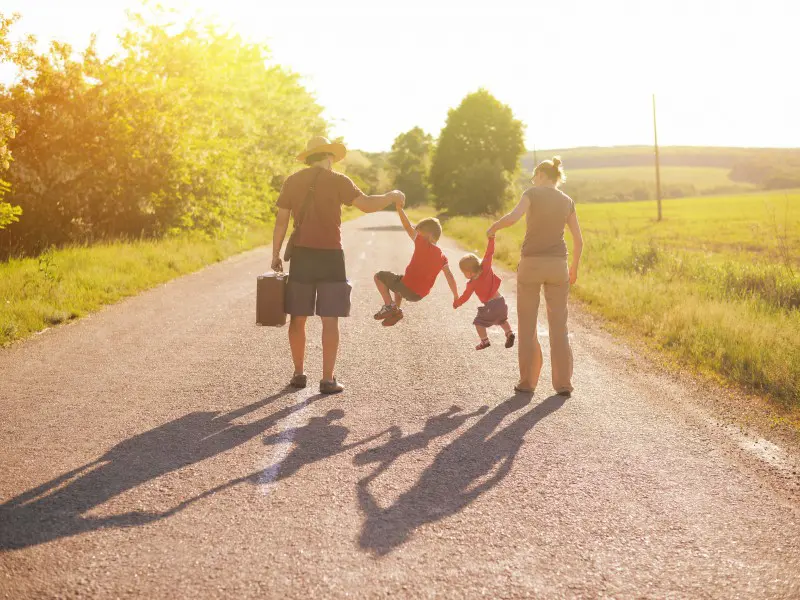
395, 283
494, 312
317, 284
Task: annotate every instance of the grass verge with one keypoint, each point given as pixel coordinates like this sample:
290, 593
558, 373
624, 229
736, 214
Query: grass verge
687, 286
61, 285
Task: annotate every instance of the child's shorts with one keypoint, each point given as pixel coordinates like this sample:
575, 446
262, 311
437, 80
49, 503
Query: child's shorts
494, 312
395, 283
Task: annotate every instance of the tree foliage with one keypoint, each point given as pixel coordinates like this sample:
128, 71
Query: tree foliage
478, 153
410, 163
8, 213
186, 128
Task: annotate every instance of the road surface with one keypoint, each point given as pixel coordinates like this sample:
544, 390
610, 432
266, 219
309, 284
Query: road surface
151, 450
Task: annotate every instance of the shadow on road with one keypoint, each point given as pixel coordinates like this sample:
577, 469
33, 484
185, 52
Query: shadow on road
473, 463
57, 508
398, 445
383, 228
318, 440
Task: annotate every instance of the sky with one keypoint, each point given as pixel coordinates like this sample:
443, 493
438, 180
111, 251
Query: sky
576, 72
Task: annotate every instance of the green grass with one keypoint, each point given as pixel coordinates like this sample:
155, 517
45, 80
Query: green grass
61, 285
703, 178
716, 284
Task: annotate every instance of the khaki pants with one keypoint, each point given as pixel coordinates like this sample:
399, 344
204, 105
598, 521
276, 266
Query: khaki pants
552, 273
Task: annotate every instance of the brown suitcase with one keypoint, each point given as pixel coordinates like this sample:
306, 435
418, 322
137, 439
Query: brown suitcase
270, 299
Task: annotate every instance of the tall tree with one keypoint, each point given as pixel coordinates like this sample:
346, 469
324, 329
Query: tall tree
8, 213
477, 156
410, 162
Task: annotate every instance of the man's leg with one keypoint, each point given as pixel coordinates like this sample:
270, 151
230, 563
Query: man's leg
330, 346
297, 342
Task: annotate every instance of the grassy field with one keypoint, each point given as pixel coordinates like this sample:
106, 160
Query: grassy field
716, 284
703, 178
61, 285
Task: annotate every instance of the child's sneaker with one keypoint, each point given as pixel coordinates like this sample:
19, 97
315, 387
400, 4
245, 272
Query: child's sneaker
394, 316
383, 312
510, 337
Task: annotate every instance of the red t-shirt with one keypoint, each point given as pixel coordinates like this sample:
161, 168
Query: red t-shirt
485, 285
426, 263
322, 223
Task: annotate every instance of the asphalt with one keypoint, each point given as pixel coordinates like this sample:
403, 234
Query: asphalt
152, 451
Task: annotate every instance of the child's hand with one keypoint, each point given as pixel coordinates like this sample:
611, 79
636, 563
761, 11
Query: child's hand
455, 303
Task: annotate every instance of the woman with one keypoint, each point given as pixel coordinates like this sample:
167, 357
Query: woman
544, 263
317, 277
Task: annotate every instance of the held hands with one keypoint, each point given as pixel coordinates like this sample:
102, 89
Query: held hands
491, 232
399, 199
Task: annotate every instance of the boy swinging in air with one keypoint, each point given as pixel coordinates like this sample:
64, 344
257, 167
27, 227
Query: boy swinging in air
420, 275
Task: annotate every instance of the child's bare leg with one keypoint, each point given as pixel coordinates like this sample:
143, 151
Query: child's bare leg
384, 291
506, 327
481, 332
398, 299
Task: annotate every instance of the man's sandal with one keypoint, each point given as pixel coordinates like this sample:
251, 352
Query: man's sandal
299, 381
330, 386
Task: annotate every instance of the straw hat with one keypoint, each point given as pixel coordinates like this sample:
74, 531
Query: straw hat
322, 145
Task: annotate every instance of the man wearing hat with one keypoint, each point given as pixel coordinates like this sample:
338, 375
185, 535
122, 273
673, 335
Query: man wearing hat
317, 278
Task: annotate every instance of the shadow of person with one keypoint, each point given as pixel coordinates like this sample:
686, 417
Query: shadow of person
58, 508
473, 463
398, 445
318, 440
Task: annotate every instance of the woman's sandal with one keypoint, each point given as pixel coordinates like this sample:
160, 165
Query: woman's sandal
483, 345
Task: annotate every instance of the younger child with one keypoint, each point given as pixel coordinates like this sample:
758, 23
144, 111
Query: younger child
486, 285
420, 275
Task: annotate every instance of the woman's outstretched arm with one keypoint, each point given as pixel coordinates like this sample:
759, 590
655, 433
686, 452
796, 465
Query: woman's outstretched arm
508, 220
577, 245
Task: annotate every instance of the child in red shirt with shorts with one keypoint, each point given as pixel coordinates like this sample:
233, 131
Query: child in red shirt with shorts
484, 283
426, 263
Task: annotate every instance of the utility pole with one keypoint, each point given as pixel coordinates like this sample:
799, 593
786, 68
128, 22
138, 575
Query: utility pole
658, 166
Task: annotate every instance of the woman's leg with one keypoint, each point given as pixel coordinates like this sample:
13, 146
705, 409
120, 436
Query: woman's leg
530, 352
330, 346
297, 342
555, 296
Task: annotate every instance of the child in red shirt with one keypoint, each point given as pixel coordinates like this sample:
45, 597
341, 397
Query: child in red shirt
484, 282
426, 263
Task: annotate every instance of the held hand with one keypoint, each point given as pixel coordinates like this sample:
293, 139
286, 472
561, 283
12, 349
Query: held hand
573, 274
491, 232
399, 198
277, 264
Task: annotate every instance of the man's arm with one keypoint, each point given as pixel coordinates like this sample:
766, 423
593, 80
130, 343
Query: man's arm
577, 245
371, 204
278, 233
508, 220
412, 233
451, 281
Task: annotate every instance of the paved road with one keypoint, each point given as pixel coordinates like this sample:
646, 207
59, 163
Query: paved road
151, 451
